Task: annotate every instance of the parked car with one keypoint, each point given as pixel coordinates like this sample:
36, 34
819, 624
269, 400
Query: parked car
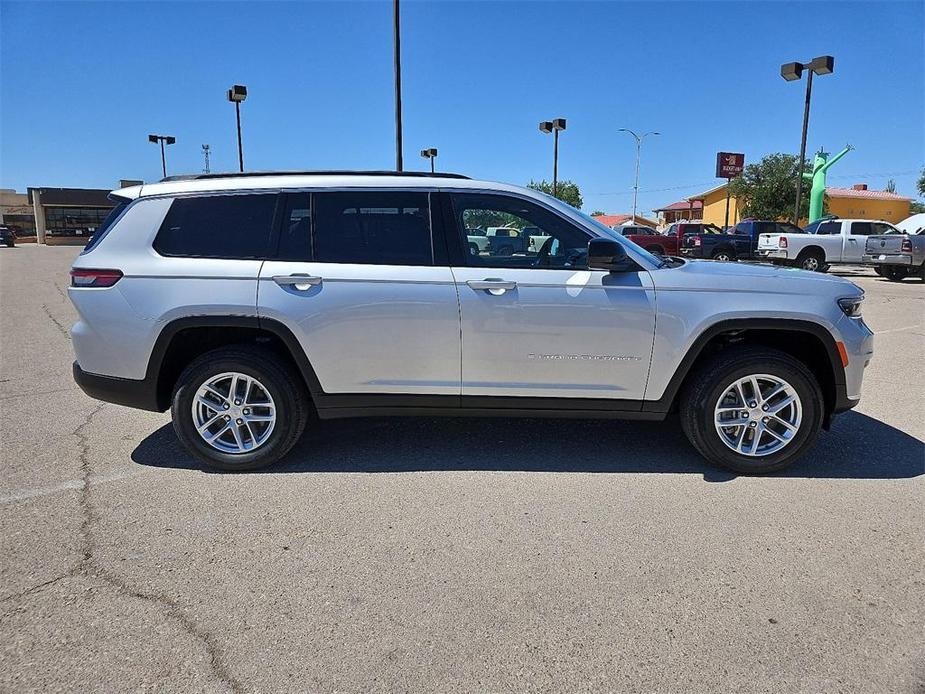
635, 230
7, 237
741, 243
834, 241
203, 296
477, 240
813, 226
669, 243
897, 255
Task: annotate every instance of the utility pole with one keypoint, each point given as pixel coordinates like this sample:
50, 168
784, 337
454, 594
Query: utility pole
396, 30
205, 154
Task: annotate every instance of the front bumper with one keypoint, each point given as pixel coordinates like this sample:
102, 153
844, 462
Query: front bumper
130, 392
904, 259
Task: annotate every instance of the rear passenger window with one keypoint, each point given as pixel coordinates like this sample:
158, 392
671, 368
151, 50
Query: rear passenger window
373, 228
861, 228
828, 228
217, 226
296, 234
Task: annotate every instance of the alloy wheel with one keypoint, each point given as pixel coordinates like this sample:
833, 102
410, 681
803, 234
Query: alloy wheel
758, 415
234, 413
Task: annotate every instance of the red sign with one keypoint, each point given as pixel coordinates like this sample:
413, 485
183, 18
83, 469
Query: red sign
729, 164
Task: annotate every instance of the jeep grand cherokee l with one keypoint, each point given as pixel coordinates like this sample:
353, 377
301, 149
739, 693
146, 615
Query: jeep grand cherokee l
245, 302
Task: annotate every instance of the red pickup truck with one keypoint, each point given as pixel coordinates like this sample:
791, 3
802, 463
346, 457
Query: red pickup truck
669, 243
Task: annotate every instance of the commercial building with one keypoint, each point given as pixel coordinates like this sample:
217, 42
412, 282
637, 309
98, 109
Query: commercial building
713, 203
857, 202
683, 210
56, 215
861, 203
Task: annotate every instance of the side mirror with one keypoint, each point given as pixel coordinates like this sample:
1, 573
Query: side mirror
607, 254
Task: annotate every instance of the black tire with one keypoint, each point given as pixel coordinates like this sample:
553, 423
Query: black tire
895, 274
282, 382
704, 389
814, 261
724, 255
922, 272
506, 250
878, 269
473, 249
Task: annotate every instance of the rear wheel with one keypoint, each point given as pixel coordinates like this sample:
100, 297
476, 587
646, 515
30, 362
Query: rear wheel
239, 408
878, 269
813, 261
724, 255
895, 274
752, 410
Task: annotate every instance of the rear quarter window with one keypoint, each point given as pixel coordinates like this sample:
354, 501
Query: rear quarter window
218, 226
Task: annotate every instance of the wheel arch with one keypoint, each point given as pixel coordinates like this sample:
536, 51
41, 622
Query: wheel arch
809, 342
814, 250
183, 339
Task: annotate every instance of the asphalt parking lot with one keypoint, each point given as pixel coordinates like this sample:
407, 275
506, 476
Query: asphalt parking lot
452, 554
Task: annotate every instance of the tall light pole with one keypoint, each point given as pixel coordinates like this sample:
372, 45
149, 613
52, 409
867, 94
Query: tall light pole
822, 65
554, 126
237, 94
163, 140
639, 139
396, 31
430, 154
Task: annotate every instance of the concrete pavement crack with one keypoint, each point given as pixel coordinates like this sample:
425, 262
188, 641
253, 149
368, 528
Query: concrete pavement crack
61, 328
90, 567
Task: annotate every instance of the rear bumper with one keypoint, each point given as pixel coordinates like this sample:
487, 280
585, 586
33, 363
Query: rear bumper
776, 253
904, 259
130, 392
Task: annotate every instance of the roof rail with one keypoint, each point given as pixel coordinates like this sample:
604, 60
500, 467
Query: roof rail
248, 174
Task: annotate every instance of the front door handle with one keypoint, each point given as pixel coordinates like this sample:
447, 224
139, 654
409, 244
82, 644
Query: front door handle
299, 281
492, 284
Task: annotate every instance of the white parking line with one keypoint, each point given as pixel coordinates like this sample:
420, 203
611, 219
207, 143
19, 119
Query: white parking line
24, 494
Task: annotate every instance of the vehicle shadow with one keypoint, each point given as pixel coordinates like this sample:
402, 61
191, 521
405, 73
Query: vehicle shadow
857, 447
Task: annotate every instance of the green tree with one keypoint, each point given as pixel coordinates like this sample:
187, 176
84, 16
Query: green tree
566, 191
598, 213
921, 184
767, 190
890, 186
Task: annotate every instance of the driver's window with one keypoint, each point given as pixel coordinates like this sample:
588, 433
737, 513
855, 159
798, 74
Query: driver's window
503, 231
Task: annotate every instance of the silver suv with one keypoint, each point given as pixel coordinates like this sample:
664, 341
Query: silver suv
246, 303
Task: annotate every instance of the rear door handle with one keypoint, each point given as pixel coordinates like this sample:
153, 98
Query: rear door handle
299, 281
492, 283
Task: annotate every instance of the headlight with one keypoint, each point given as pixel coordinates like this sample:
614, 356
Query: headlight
851, 306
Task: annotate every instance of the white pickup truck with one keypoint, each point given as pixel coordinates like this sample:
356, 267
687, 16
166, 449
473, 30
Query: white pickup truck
834, 241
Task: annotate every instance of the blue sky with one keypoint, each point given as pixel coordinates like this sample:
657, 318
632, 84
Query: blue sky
83, 83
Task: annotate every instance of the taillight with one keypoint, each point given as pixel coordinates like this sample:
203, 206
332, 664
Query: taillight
94, 278
697, 241
906, 246
781, 241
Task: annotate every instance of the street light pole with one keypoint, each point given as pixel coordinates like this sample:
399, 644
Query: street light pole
822, 65
432, 155
396, 30
162, 140
554, 126
237, 94
639, 139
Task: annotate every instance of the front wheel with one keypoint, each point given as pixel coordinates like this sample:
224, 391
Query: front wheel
752, 410
239, 408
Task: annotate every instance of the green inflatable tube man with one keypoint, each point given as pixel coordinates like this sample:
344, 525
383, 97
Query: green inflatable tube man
821, 164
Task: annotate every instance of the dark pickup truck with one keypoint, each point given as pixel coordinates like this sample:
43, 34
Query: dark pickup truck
741, 242
670, 242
